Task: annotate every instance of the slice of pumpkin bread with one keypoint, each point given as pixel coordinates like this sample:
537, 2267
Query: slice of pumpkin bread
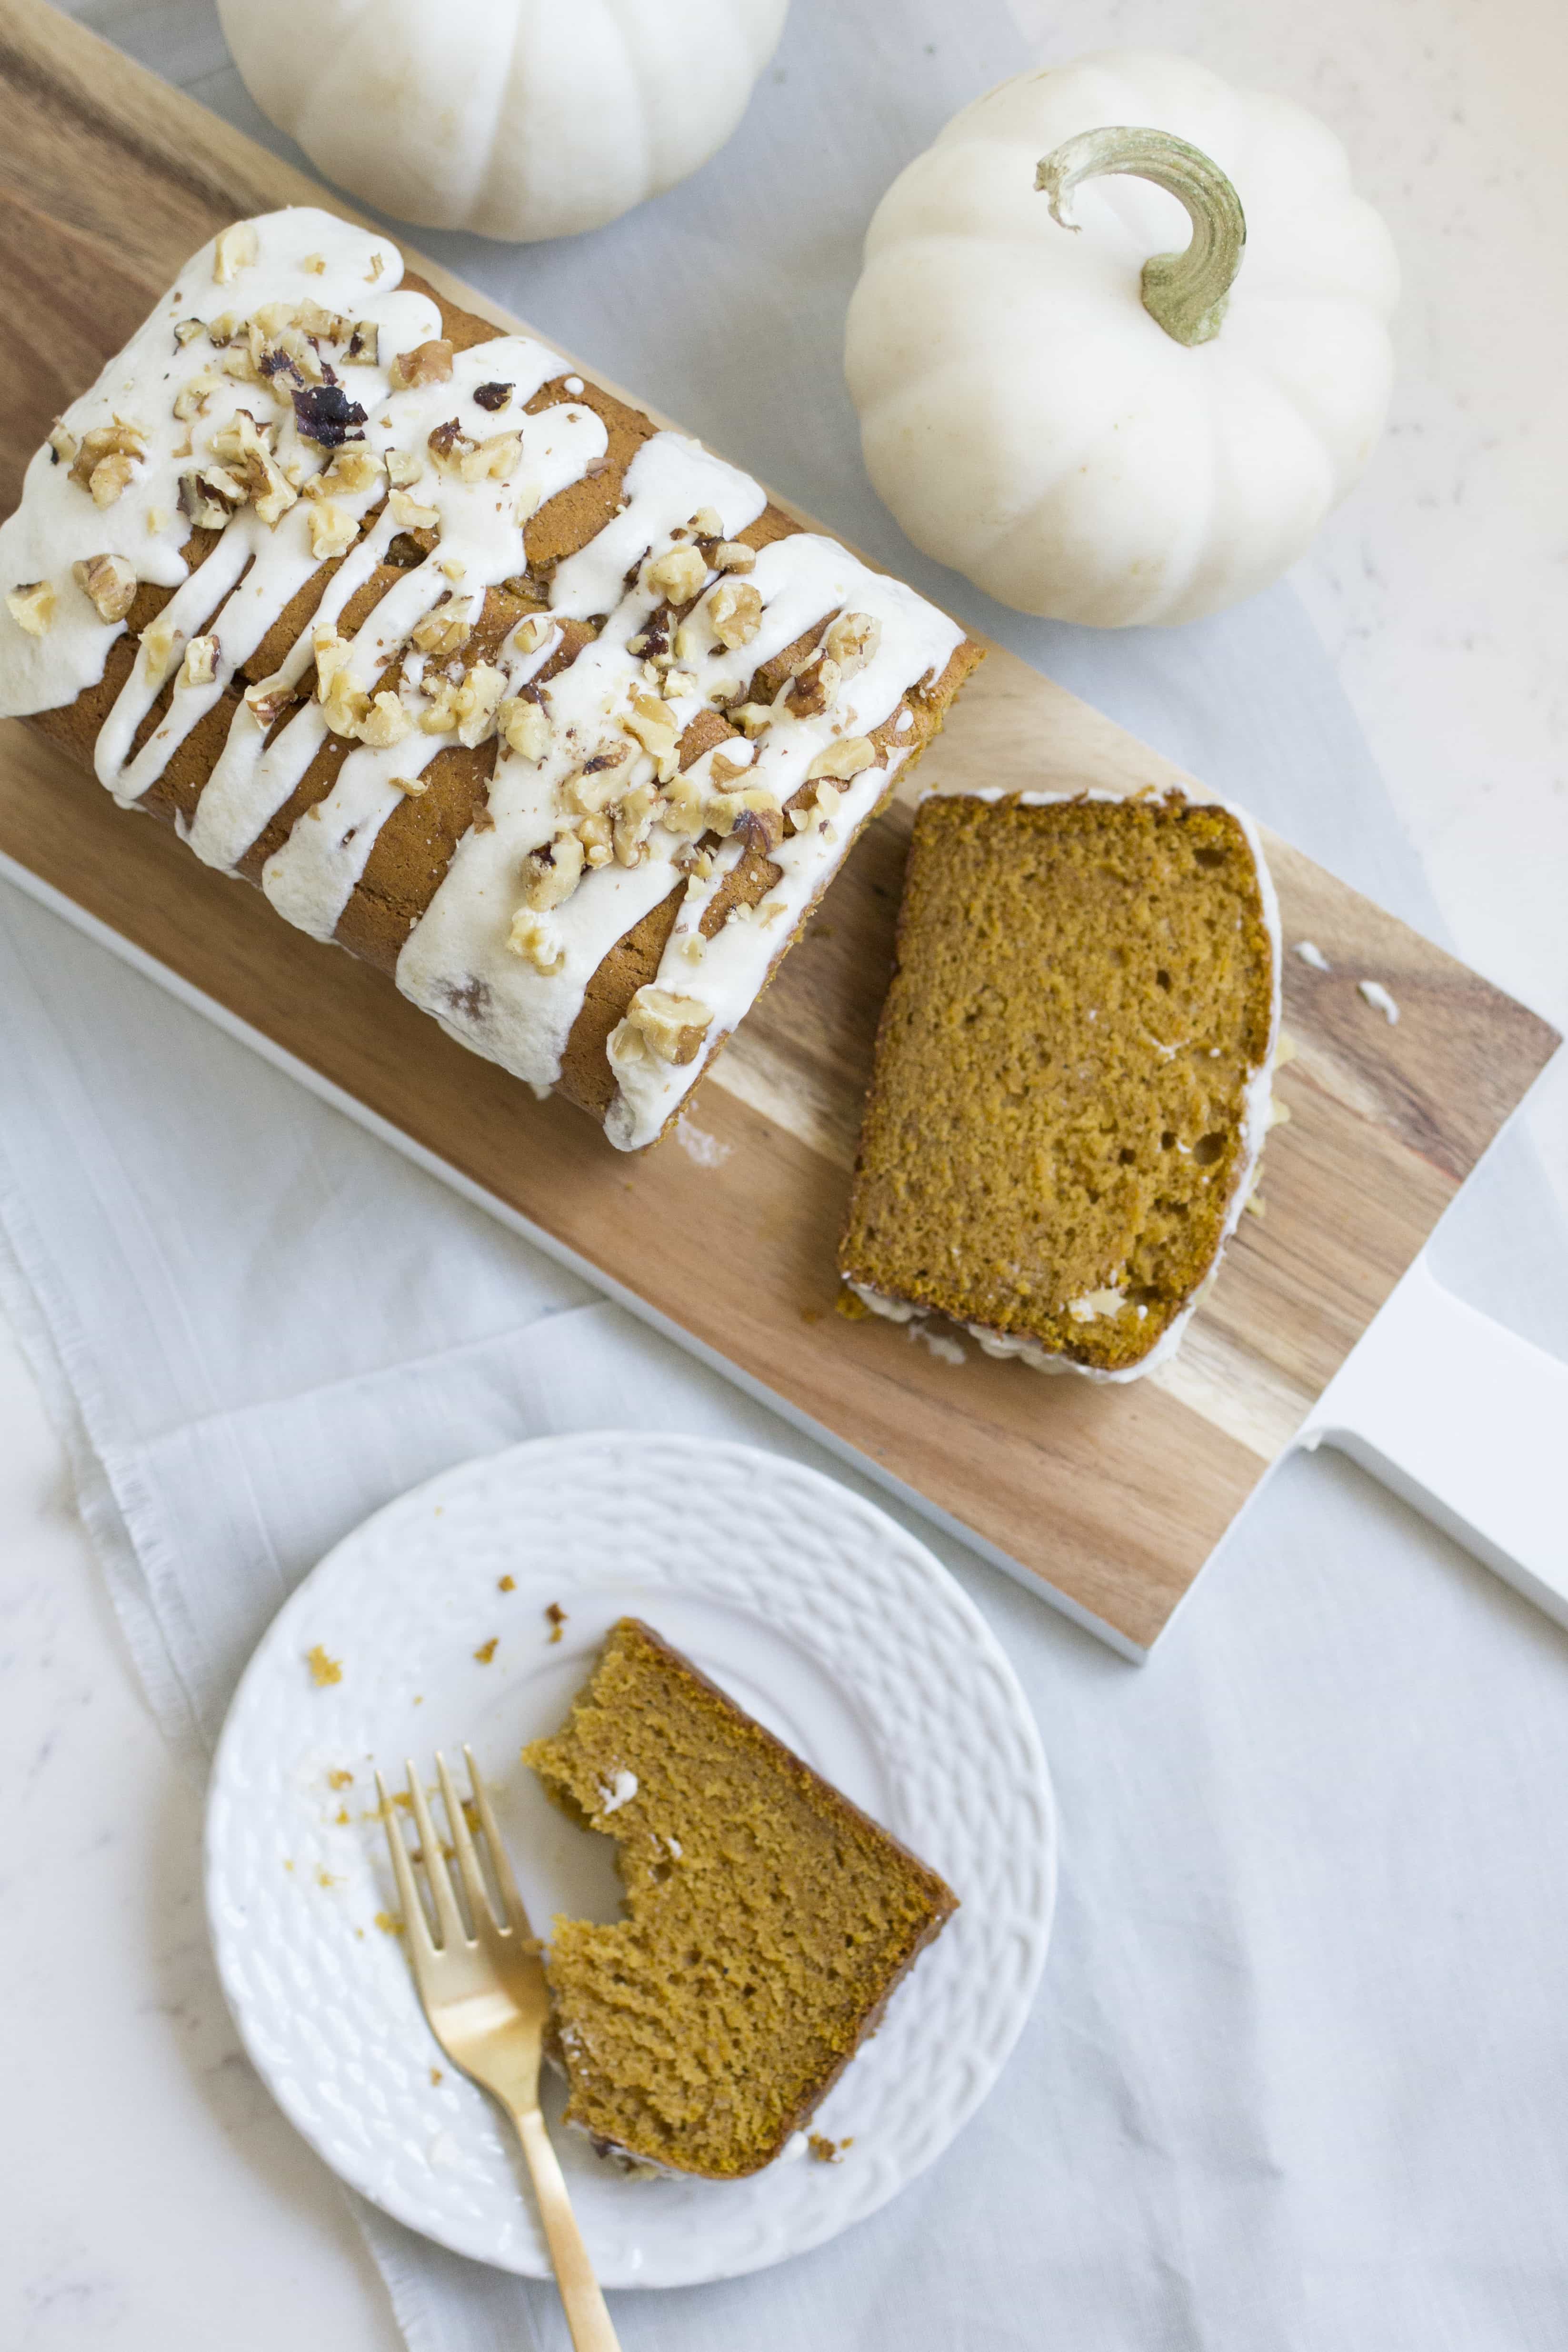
766, 1920
1072, 1077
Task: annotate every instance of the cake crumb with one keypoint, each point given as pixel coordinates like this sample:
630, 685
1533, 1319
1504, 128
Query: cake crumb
1310, 953
388, 1925
1377, 996
1279, 1115
825, 2150
486, 1650
341, 1818
557, 1616
505, 1584
810, 1314
337, 1778
323, 1669
853, 1308
437, 2075
324, 1877
1254, 1206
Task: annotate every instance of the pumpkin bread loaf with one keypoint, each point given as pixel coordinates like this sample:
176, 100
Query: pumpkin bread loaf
766, 1920
1072, 1077
467, 665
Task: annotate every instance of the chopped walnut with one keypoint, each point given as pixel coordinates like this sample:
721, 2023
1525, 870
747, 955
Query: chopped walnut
734, 613
193, 397
597, 835
108, 583
409, 515
553, 872
595, 786
723, 770
268, 699
427, 363
493, 396
404, 467
187, 329
533, 937
316, 263
386, 723
733, 555
62, 442
634, 823
32, 605
754, 814
343, 706
679, 575
200, 666
669, 1027
527, 503
354, 469
814, 686
448, 629
210, 496
751, 718
410, 786
708, 522
333, 530
652, 725
478, 700
823, 806
104, 458
852, 641
494, 460
685, 806
530, 635
678, 683
111, 476
378, 264
526, 726
449, 445
363, 348
235, 249
159, 640
844, 759
332, 652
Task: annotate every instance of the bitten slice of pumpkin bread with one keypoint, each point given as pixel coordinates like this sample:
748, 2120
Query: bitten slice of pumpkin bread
1072, 1077
767, 1919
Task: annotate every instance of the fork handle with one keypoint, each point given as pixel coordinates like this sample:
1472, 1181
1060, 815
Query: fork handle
587, 2314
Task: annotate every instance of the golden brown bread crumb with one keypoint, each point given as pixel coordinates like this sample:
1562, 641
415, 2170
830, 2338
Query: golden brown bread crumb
768, 1920
1053, 1136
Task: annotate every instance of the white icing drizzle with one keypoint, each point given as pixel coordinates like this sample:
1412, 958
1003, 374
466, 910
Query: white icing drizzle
1254, 1124
457, 963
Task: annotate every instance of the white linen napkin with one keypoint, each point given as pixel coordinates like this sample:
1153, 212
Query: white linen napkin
1294, 2078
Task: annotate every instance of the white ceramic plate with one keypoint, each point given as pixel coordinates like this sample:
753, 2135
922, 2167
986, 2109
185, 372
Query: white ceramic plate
819, 1614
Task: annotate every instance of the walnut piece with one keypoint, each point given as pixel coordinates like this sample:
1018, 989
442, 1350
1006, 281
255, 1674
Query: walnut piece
526, 726
679, 575
634, 818
268, 699
426, 363
106, 581
333, 530
193, 397
210, 496
852, 641
32, 605
236, 248
386, 723
448, 629
734, 613
404, 467
553, 872
343, 706
754, 814
62, 441
669, 1027
533, 937
652, 723
751, 718
354, 469
844, 759
733, 555
814, 686
200, 666
409, 515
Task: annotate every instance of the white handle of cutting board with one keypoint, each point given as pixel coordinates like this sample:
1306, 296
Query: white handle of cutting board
1468, 1424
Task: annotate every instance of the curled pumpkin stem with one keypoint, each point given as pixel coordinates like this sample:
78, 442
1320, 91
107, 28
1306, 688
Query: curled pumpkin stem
1185, 292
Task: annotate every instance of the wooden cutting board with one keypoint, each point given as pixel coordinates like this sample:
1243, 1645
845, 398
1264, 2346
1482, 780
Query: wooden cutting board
1108, 1501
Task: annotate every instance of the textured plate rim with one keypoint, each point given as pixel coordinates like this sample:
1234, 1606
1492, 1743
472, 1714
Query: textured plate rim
531, 1453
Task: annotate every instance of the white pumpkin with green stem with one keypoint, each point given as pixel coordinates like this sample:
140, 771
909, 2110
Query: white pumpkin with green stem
521, 119
1093, 409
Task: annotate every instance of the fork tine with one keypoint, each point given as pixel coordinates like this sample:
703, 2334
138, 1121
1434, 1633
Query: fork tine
415, 1923
500, 1862
481, 1910
448, 1917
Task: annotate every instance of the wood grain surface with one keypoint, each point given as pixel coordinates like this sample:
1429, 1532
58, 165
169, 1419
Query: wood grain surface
1111, 1499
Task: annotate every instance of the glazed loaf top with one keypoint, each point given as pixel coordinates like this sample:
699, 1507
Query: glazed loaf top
304, 547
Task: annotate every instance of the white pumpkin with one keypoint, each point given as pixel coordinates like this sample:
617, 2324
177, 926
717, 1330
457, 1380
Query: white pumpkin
1025, 413
521, 119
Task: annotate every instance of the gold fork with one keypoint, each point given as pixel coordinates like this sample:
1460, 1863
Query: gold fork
483, 1989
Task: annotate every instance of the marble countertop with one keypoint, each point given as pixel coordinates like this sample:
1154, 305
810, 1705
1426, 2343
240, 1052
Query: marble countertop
1442, 592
